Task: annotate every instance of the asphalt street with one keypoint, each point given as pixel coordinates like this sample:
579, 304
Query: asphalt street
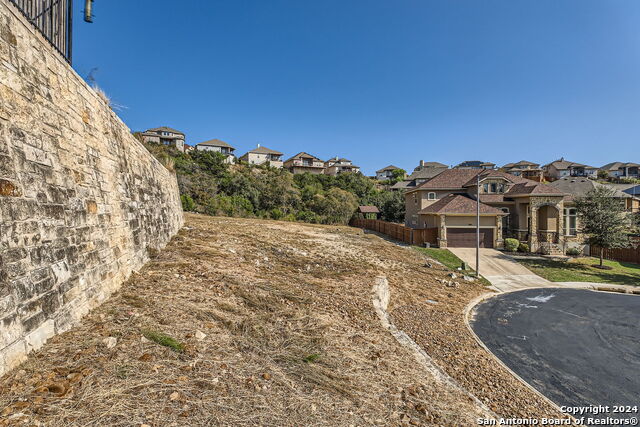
577, 347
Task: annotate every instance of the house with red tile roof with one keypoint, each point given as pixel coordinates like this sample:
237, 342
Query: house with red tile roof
510, 206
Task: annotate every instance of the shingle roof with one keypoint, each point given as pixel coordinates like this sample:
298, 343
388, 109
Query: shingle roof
264, 150
459, 204
166, 129
388, 168
618, 165
565, 164
432, 165
215, 143
427, 173
452, 179
520, 163
474, 163
578, 187
303, 154
368, 209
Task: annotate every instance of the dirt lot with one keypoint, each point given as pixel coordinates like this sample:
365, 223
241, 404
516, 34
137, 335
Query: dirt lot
250, 322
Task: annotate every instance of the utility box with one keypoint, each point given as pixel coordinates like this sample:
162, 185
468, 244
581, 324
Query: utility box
464, 266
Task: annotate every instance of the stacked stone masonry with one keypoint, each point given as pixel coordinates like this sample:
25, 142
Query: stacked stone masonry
81, 200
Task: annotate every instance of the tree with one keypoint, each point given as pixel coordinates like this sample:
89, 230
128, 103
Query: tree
602, 218
603, 175
397, 176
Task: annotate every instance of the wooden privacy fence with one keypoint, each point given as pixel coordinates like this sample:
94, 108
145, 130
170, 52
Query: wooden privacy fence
618, 254
412, 236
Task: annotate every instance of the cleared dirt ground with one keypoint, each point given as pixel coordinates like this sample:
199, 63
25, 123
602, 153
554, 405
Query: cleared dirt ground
266, 323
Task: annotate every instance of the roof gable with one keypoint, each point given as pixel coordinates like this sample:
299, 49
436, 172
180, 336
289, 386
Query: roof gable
459, 204
215, 143
304, 154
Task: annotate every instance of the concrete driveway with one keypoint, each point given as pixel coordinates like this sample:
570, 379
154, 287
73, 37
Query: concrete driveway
504, 273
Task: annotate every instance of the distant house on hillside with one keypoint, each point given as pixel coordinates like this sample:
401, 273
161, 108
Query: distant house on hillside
336, 166
475, 164
385, 174
579, 187
524, 169
304, 163
563, 168
218, 146
422, 173
261, 155
622, 170
164, 135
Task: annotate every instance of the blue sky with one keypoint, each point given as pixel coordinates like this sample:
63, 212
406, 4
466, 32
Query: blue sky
379, 82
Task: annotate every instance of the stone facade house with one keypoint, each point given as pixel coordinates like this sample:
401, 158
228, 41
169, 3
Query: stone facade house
622, 170
261, 155
421, 174
475, 164
218, 146
563, 168
524, 169
336, 166
304, 163
386, 173
510, 206
166, 136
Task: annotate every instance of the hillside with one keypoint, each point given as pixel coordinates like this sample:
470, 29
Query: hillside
209, 185
259, 322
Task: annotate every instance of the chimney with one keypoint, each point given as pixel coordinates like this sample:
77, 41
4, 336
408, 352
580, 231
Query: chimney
258, 145
421, 163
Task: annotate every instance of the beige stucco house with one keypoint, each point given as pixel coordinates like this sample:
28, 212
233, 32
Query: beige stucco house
563, 168
261, 155
304, 163
386, 173
218, 146
338, 165
510, 206
622, 170
524, 169
166, 136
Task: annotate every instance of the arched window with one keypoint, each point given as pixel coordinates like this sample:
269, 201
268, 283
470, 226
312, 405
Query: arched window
431, 196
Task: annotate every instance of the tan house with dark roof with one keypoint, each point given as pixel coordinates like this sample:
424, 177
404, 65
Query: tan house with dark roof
338, 165
218, 146
261, 155
563, 168
166, 136
509, 206
475, 164
622, 170
524, 169
304, 163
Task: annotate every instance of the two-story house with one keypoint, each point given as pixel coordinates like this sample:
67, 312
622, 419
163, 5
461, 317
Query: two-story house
563, 168
509, 206
386, 173
475, 164
218, 146
622, 170
524, 169
422, 173
261, 155
304, 163
164, 135
338, 165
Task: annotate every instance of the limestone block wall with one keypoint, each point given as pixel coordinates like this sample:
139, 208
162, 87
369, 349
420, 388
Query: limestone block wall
81, 200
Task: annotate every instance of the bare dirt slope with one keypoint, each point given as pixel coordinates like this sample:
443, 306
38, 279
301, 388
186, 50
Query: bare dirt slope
252, 322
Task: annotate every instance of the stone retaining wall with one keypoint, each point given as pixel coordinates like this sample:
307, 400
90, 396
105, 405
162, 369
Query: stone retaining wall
81, 200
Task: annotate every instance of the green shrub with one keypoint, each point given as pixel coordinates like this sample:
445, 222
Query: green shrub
523, 247
511, 245
187, 203
573, 252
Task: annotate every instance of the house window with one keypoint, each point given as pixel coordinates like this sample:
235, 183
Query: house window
415, 199
505, 219
486, 188
431, 196
570, 221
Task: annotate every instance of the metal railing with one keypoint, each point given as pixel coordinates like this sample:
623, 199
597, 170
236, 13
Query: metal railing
53, 18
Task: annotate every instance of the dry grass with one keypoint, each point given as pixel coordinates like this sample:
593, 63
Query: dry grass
275, 326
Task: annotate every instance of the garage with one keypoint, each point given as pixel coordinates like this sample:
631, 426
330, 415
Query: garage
466, 237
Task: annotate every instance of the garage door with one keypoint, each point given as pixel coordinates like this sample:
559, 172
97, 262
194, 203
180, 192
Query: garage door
466, 237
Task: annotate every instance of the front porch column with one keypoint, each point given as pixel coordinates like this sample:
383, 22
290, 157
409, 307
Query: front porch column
442, 240
533, 229
499, 237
